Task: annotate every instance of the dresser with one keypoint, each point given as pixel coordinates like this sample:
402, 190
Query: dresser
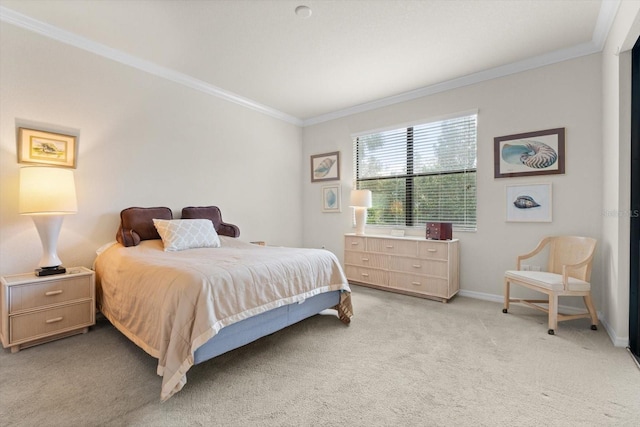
36, 309
408, 265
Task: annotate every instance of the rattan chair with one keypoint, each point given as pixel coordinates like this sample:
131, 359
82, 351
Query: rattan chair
568, 274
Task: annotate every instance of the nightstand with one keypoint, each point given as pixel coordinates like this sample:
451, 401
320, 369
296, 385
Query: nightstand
36, 309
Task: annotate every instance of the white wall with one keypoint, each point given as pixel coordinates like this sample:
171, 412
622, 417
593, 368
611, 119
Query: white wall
616, 66
143, 141
566, 94
146, 141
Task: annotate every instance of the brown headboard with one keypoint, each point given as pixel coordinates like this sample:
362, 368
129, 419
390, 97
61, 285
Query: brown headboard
136, 224
212, 213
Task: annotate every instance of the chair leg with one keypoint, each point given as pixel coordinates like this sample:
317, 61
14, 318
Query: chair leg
505, 308
592, 311
553, 313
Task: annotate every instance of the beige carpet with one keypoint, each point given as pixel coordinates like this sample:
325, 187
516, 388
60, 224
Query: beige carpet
403, 361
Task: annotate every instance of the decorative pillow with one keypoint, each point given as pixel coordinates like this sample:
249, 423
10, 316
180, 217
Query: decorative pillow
180, 234
136, 224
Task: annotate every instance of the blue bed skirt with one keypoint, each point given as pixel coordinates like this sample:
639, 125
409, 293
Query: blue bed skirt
249, 330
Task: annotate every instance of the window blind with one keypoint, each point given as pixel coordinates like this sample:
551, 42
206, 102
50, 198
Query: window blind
421, 173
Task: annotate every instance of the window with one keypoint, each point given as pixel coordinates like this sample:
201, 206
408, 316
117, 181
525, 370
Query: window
420, 173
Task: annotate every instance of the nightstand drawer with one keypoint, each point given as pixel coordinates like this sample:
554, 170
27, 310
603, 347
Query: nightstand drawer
24, 297
46, 322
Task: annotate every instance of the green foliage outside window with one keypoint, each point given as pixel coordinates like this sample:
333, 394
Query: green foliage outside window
420, 173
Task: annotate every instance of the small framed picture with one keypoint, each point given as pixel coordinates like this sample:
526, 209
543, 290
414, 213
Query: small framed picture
532, 153
528, 203
325, 167
331, 198
48, 148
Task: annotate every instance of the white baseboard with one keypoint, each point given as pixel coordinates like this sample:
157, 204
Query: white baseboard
617, 341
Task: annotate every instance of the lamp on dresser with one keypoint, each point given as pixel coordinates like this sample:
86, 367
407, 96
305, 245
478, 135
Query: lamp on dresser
47, 194
360, 201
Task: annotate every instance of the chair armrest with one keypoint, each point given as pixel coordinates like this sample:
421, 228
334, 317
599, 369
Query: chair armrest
534, 252
567, 267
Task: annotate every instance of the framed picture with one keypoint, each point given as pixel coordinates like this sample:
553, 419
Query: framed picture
325, 167
331, 198
40, 147
529, 203
533, 153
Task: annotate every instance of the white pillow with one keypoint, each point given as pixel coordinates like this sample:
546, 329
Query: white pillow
179, 234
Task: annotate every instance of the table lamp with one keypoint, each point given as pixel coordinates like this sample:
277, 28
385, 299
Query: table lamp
360, 201
47, 194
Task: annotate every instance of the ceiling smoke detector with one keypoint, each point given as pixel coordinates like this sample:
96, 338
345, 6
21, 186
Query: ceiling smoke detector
303, 11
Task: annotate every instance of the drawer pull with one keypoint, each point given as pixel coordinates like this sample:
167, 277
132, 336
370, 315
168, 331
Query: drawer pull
54, 320
365, 275
354, 243
365, 259
52, 293
416, 266
389, 246
432, 250
416, 283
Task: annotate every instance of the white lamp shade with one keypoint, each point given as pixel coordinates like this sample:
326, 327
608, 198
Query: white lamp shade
361, 198
47, 191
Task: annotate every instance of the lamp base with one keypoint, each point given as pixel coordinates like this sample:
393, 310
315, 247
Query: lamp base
50, 271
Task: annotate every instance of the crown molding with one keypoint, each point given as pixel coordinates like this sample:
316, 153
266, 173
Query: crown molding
608, 10
493, 73
23, 21
606, 16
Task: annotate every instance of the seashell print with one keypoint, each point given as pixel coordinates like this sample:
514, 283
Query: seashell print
525, 202
323, 168
332, 198
534, 154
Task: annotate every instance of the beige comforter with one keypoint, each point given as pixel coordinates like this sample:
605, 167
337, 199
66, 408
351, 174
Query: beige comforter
170, 303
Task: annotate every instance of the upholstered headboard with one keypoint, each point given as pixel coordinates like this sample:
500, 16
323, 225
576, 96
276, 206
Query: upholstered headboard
212, 213
136, 224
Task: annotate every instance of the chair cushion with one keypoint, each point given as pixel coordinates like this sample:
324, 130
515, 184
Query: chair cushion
547, 280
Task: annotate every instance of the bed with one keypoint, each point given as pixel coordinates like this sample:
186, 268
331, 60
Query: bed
188, 290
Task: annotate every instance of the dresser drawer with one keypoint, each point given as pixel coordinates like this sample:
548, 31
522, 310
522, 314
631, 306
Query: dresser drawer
355, 243
366, 259
367, 275
419, 266
47, 322
45, 293
392, 246
433, 250
421, 284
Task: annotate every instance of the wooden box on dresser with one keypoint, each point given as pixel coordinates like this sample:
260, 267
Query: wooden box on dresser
36, 309
408, 265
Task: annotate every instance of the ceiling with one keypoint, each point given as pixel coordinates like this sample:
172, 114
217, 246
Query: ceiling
348, 56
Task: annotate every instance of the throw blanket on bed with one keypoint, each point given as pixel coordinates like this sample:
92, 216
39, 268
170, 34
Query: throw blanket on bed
170, 303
